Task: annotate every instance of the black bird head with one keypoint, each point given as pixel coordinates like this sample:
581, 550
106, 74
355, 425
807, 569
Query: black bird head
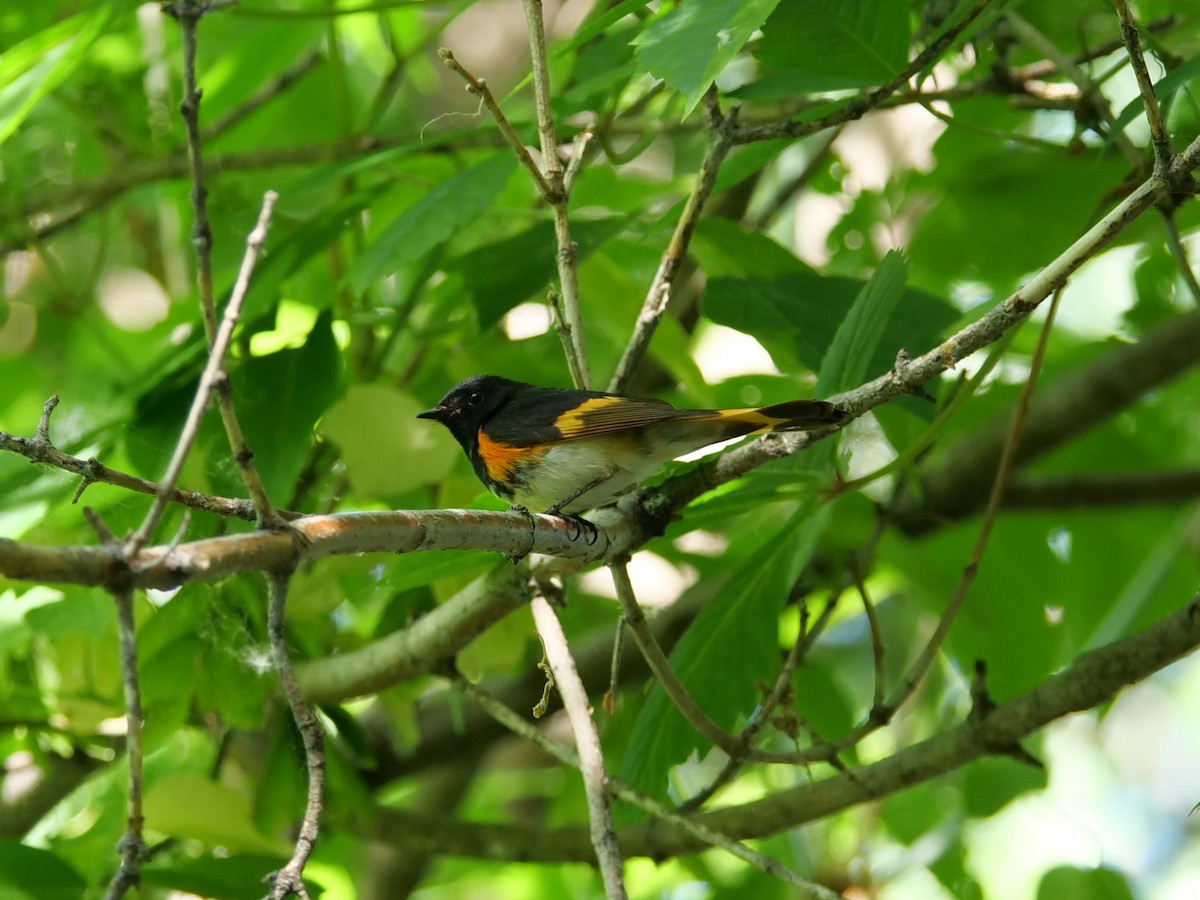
469, 404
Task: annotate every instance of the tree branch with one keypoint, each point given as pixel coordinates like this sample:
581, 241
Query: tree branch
1093, 679
587, 744
720, 134
209, 379
132, 846
289, 880
1133, 46
954, 481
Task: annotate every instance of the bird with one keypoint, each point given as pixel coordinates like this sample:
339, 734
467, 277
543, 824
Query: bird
565, 450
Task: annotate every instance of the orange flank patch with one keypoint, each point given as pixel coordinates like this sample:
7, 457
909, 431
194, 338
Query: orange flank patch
500, 459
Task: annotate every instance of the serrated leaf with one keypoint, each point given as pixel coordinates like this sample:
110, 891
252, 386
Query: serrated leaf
836, 44
692, 43
433, 220
732, 645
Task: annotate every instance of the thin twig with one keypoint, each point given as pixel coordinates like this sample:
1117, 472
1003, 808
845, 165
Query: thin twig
208, 382
479, 87
566, 257
1003, 472
290, 879
494, 707
878, 651
786, 191
587, 742
575, 163
661, 666
42, 435
93, 471
1133, 46
614, 667
720, 133
1179, 251
1088, 88
188, 14
132, 846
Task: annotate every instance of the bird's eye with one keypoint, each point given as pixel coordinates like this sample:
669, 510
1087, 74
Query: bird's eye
475, 398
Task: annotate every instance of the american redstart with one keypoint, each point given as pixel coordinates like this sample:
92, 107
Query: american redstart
564, 451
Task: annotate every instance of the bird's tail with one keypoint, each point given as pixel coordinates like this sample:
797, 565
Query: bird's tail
793, 415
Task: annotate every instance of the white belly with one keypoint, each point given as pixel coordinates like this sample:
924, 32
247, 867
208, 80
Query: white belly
570, 466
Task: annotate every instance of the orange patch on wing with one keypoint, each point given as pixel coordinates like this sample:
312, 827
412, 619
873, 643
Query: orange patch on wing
499, 459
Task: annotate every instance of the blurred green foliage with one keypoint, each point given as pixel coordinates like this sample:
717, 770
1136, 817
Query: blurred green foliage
409, 250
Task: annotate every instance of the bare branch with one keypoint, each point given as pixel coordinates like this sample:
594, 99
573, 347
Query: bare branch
1103, 490
661, 666
132, 846
208, 382
479, 86
289, 880
1008, 455
566, 257
953, 481
587, 743
518, 726
721, 129
1093, 679
1133, 46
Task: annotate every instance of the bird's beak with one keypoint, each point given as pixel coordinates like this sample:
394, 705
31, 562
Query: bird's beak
435, 414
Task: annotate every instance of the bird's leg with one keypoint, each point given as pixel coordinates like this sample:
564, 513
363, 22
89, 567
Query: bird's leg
556, 509
580, 522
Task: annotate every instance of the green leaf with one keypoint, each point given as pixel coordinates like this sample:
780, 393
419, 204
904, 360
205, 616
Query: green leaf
33, 68
83, 611
31, 873
191, 805
758, 287
692, 43
999, 211
434, 219
598, 21
499, 275
836, 44
860, 332
279, 398
289, 253
991, 783
386, 448
730, 647
1071, 883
